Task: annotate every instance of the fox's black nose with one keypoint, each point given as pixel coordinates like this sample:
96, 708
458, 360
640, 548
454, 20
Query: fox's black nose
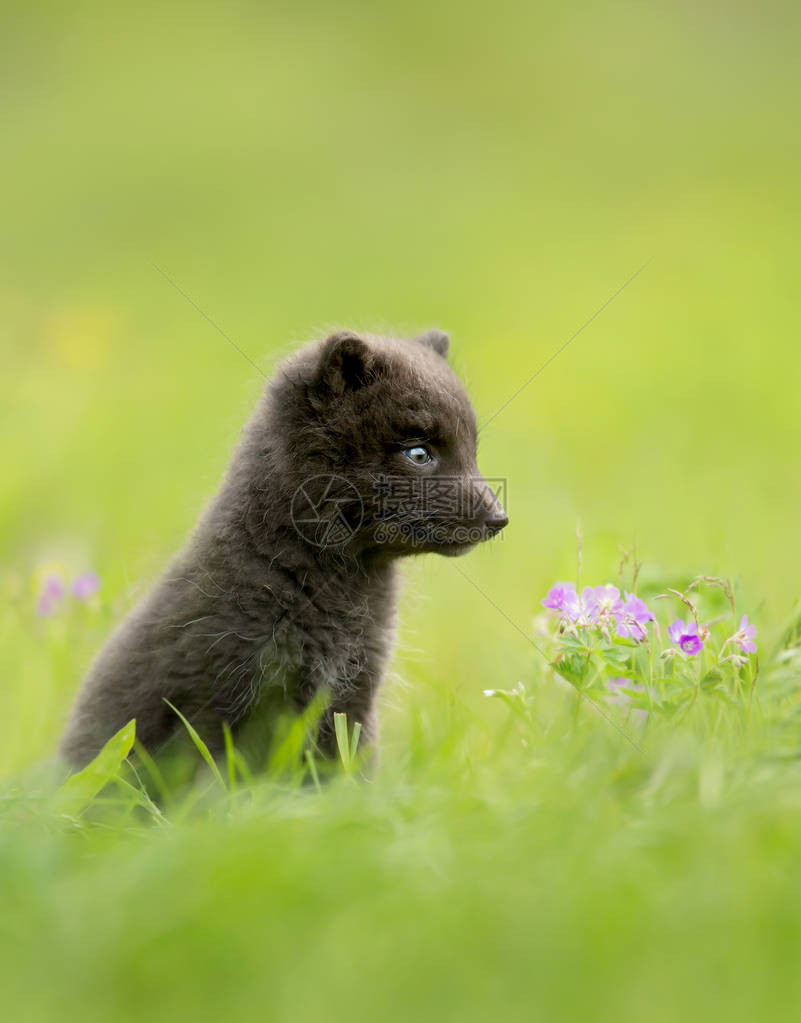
497, 521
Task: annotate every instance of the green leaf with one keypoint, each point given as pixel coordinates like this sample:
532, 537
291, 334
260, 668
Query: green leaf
292, 736
243, 767
354, 739
78, 791
343, 745
313, 769
202, 748
711, 679
139, 797
640, 701
153, 771
573, 668
574, 645
230, 757
615, 657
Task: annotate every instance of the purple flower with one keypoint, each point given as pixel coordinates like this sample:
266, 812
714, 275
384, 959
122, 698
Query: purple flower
601, 606
601, 601
632, 618
686, 637
744, 636
85, 586
50, 595
563, 598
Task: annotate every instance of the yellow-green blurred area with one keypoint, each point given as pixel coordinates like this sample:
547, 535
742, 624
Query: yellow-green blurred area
504, 171
500, 170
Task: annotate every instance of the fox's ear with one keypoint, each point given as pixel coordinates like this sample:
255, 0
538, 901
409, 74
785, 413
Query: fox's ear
346, 363
436, 339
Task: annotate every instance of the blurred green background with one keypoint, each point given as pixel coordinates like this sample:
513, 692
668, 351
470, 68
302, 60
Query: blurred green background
498, 170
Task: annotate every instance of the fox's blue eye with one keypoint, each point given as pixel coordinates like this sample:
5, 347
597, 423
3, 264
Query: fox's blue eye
419, 455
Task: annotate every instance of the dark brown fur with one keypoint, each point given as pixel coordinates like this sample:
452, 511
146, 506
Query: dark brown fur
253, 615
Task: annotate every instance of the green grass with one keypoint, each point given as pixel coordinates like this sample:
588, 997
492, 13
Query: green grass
500, 171
526, 860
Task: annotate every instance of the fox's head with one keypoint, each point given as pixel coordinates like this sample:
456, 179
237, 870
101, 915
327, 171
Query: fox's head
377, 439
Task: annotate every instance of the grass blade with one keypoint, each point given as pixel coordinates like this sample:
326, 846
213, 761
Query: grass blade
313, 769
153, 771
202, 748
230, 756
341, 731
78, 791
354, 740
